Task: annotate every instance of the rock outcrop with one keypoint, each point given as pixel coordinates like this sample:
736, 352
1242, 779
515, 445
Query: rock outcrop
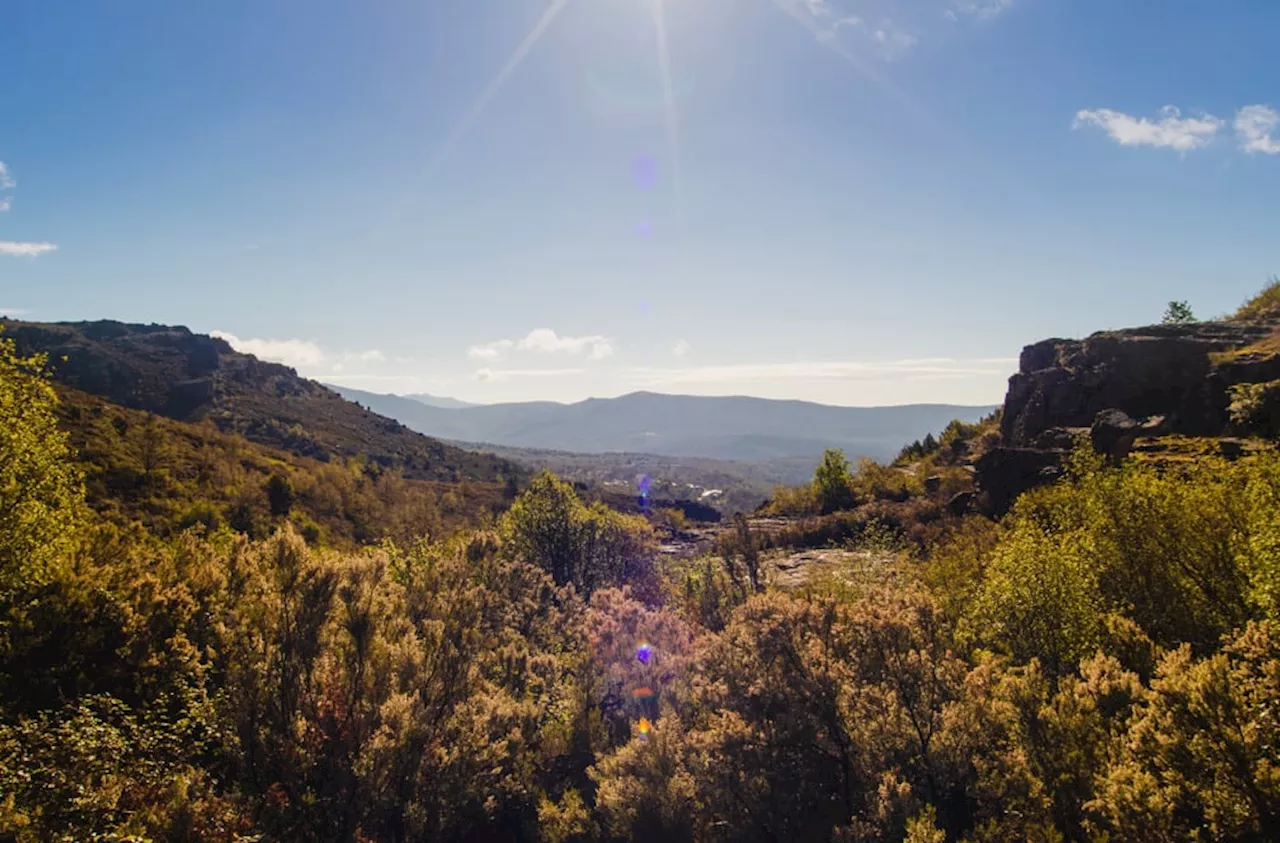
1115, 388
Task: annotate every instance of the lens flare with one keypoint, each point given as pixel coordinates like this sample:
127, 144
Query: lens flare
644, 727
642, 694
644, 171
644, 652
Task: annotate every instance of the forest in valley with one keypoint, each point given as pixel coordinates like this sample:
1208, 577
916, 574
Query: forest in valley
1101, 663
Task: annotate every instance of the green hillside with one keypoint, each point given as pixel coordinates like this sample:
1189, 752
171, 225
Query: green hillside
191, 377
169, 475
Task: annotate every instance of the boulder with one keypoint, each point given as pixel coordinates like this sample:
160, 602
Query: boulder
1113, 433
1005, 473
961, 503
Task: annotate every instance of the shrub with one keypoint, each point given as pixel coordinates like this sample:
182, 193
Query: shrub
1265, 304
832, 484
1255, 408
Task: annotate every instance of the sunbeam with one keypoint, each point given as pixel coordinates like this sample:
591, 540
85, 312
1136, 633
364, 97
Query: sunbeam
668, 101
498, 81
793, 10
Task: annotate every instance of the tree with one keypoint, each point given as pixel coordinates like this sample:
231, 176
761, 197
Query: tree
41, 496
588, 546
280, 495
1178, 313
832, 483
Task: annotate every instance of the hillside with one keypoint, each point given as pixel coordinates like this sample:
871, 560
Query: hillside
169, 475
726, 428
170, 371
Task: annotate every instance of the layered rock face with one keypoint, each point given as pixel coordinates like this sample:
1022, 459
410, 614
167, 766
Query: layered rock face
1114, 387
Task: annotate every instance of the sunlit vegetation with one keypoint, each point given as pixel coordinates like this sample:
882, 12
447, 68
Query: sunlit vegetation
170, 475
1265, 304
1102, 664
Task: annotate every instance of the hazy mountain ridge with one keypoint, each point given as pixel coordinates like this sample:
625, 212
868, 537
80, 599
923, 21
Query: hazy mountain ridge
725, 428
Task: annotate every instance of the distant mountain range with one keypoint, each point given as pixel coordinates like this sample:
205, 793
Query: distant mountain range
438, 401
727, 428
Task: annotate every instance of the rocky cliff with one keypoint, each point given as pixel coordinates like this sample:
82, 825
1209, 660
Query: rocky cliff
1122, 387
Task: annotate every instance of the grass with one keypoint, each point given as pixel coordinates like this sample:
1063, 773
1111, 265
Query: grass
1265, 304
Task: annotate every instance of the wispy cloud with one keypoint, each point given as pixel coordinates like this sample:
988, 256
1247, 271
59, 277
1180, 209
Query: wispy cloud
1256, 127
978, 9
941, 368
6, 183
14, 311
545, 341
886, 28
680, 349
1170, 130
490, 351
26, 250
507, 374
894, 39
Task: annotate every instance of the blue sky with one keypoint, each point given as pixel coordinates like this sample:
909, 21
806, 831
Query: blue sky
851, 201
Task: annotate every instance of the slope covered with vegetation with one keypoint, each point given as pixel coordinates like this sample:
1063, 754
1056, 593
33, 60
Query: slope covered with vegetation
169, 475
192, 377
1101, 663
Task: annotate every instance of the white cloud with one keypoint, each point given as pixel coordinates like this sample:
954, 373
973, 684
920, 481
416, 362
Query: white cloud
5, 204
1171, 130
978, 9
508, 374
545, 341
301, 354
14, 311
26, 250
295, 353
680, 349
1256, 127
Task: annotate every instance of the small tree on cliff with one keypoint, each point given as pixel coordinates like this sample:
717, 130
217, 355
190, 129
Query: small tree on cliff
1178, 313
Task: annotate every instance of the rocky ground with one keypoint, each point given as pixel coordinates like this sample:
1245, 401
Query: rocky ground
853, 568
792, 568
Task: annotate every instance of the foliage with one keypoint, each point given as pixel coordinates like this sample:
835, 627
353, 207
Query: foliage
586, 546
1102, 664
170, 475
831, 482
1178, 313
40, 495
1265, 304
1255, 408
